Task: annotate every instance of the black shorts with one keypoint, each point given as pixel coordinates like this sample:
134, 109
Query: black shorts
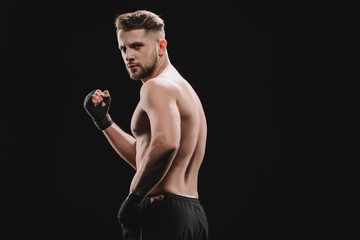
173, 218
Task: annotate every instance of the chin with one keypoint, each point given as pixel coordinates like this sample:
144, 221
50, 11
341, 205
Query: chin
135, 76
138, 75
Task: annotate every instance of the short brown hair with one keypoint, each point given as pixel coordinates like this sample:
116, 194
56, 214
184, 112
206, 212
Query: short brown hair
140, 19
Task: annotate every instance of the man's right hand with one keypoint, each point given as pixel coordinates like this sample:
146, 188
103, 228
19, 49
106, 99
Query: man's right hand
132, 207
97, 105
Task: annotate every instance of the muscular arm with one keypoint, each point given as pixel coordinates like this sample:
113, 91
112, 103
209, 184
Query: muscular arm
160, 105
123, 143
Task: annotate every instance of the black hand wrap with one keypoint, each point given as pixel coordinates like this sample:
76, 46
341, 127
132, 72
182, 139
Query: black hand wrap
99, 114
131, 208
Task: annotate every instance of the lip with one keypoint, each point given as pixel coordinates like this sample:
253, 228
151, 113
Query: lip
132, 66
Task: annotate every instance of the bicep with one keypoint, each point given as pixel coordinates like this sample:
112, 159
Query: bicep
165, 122
162, 110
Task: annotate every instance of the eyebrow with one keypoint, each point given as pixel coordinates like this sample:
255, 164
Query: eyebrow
136, 43
131, 44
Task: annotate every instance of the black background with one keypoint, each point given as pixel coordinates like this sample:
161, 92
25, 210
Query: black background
274, 164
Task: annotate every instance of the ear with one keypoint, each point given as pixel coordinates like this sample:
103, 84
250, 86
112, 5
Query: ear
162, 46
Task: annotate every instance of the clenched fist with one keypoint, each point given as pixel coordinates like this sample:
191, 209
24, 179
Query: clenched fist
97, 105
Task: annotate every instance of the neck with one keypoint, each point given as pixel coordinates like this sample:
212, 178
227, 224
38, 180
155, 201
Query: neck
158, 69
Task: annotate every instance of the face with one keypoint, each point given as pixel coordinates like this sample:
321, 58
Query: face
138, 51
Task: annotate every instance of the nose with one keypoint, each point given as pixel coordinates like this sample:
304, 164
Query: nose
129, 56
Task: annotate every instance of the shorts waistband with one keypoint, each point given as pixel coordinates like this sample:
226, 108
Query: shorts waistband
177, 197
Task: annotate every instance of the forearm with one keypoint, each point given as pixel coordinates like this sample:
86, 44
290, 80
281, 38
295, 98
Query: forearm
123, 143
156, 164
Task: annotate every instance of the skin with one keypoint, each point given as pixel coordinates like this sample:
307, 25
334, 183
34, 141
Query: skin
168, 126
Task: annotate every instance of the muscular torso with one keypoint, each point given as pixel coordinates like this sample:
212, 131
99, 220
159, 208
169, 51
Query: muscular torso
182, 175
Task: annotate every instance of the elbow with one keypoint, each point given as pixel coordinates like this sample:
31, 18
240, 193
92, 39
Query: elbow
167, 145
170, 147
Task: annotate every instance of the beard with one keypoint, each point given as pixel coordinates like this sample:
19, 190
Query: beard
143, 71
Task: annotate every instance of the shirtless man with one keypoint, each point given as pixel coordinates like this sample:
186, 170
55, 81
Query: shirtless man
169, 137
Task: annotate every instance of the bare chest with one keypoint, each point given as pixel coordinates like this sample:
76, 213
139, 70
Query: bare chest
140, 123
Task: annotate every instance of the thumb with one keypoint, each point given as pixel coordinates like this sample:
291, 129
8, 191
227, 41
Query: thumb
156, 198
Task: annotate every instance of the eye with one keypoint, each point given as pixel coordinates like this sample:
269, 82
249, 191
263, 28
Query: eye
137, 46
123, 49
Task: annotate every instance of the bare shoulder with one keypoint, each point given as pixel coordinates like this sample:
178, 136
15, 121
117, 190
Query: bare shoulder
158, 92
158, 86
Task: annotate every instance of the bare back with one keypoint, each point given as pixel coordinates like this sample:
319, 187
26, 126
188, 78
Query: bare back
182, 176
